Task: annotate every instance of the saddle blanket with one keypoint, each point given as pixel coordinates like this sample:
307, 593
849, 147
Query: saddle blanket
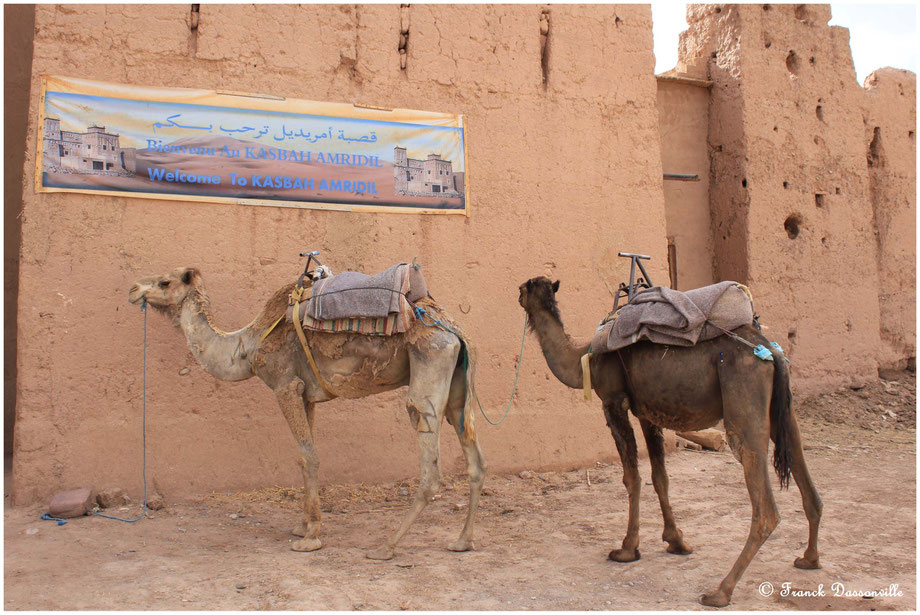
665, 316
359, 303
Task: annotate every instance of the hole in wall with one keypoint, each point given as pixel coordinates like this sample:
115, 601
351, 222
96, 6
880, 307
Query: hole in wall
791, 335
718, 10
837, 190
819, 200
801, 12
910, 135
793, 63
819, 112
811, 60
744, 183
786, 185
824, 241
849, 325
768, 44
776, 129
874, 155
715, 54
767, 7
793, 225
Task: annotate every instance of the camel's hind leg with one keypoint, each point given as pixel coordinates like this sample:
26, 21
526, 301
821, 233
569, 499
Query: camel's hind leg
475, 462
618, 421
745, 401
299, 415
432, 361
655, 445
811, 501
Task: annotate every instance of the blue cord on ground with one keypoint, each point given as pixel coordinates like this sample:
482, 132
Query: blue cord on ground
47, 517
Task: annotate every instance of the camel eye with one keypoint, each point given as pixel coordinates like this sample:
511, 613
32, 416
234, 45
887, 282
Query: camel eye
164, 283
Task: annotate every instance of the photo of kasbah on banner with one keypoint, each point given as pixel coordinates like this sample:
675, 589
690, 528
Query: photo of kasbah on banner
218, 146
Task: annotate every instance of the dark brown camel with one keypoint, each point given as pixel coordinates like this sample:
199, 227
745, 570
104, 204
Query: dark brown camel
687, 389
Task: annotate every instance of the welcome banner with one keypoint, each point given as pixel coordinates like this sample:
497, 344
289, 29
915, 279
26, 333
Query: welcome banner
205, 145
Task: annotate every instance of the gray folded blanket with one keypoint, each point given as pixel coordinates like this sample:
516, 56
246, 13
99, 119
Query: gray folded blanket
665, 316
356, 295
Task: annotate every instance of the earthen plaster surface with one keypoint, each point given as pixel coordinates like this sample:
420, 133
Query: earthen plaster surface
793, 206
555, 168
568, 133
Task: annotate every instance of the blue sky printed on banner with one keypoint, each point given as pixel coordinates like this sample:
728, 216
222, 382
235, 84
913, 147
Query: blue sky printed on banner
137, 121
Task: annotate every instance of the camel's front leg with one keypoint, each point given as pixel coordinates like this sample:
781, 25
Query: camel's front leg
618, 420
299, 415
432, 362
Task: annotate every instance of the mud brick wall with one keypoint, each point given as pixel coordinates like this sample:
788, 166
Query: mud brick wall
890, 120
795, 202
563, 158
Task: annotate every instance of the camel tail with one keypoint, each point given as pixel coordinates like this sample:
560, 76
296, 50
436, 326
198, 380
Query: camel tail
467, 361
781, 418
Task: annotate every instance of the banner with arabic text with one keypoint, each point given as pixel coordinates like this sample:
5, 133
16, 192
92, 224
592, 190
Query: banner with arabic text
205, 145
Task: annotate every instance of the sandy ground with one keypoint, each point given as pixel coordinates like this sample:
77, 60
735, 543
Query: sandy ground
542, 540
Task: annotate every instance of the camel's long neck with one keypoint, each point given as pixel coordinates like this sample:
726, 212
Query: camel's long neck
226, 356
562, 355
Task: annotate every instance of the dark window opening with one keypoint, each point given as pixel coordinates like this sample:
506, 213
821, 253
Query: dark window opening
97, 165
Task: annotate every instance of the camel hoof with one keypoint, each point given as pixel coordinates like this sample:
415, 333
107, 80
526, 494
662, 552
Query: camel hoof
679, 548
717, 598
383, 553
806, 564
462, 545
624, 555
307, 544
300, 530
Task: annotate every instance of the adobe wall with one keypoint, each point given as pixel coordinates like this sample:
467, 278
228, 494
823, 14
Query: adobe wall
792, 196
890, 118
563, 154
683, 119
18, 29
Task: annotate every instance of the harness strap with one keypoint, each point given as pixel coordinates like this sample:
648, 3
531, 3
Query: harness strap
586, 374
270, 329
296, 296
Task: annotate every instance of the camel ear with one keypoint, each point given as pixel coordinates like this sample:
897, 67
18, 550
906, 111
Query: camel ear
556, 286
188, 274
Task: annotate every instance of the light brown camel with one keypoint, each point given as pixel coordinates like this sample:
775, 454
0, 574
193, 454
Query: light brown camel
351, 366
687, 389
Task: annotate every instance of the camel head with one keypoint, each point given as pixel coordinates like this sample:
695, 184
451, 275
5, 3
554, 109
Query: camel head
165, 292
539, 295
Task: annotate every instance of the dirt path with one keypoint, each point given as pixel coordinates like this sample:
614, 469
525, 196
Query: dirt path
542, 540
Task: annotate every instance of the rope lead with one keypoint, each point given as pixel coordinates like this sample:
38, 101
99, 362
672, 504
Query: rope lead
95, 511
